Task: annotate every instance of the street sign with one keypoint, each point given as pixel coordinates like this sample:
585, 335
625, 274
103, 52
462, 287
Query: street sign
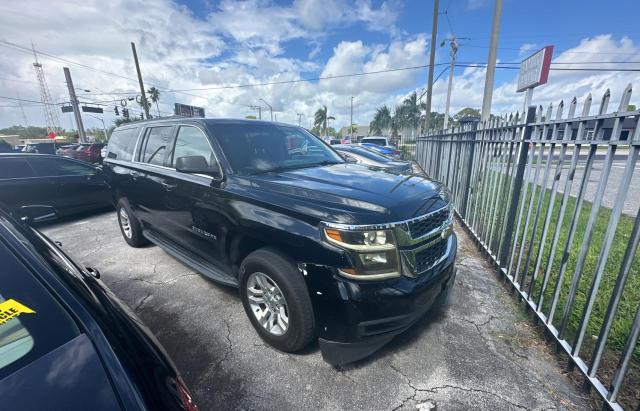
534, 70
67, 109
88, 109
184, 110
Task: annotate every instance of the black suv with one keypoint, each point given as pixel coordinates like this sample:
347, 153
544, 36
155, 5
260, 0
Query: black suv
318, 247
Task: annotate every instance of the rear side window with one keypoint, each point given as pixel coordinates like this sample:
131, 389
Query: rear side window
56, 167
15, 168
32, 322
155, 145
122, 143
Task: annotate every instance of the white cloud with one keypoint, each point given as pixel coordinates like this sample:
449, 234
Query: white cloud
526, 48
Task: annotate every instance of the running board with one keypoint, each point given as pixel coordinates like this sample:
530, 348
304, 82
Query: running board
196, 263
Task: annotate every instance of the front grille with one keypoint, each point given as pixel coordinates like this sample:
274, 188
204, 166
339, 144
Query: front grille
426, 258
426, 225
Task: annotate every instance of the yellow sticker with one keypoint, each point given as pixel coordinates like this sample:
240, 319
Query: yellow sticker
11, 308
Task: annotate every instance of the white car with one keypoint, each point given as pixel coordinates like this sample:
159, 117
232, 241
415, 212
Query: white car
380, 141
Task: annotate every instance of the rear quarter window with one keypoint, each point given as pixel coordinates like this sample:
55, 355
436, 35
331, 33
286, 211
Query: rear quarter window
122, 143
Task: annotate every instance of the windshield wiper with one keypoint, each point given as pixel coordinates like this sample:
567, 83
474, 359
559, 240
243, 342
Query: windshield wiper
296, 166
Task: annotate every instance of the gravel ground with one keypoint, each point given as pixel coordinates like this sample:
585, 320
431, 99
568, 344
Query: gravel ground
478, 353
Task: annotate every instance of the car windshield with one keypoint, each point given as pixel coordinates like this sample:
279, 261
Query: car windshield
261, 148
378, 141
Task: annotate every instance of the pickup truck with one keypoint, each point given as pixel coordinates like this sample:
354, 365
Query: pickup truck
317, 247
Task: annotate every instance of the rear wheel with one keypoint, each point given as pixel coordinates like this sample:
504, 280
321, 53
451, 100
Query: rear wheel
129, 226
276, 300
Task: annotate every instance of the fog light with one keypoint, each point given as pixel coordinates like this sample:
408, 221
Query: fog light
373, 258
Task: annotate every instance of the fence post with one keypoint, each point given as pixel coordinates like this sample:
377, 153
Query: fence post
517, 186
472, 150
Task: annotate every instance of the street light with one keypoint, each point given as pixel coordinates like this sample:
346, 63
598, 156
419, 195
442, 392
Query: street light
300, 119
269, 105
103, 126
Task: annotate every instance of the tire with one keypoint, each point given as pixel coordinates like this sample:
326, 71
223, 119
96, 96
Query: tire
286, 277
129, 225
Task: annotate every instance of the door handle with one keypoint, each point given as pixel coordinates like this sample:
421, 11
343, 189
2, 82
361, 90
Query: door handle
168, 186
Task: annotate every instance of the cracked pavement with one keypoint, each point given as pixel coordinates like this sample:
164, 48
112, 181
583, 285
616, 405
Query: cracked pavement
480, 352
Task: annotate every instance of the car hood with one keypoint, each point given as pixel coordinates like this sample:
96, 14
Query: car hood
350, 193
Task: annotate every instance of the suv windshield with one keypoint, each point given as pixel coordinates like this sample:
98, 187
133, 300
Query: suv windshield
260, 148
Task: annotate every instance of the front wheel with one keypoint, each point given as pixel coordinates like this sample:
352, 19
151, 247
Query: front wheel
276, 300
129, 225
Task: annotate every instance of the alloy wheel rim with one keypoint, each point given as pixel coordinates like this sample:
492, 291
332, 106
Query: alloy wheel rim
125, 223
267, 303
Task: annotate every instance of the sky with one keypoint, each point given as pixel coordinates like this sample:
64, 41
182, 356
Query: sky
220, 54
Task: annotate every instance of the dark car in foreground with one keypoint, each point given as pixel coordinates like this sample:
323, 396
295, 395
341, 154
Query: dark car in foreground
363, 155
318, 247
69, 186
66, 342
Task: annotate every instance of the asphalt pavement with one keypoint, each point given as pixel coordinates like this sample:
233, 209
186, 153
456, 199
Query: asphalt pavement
480, 352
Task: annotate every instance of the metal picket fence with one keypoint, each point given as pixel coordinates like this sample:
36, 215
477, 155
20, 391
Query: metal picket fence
539, 195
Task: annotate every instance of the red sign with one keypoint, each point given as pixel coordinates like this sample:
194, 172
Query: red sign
51, 135
534, 70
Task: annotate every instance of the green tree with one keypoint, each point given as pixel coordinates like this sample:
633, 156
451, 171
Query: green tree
466, 112
381, 121
25, 132
320, 119
154, 95
411, 112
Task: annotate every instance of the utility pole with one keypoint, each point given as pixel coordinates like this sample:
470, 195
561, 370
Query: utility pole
74, 102
300, 119
454, 50
351, 122
145, 103
491, 63
432, 57
269, 105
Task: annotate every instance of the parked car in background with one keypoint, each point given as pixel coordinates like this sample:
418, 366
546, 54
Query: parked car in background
41, 148
379, 141
318, 247
66, 341
335, 141
366, 156
67, 185
67, 150
91, 153
386, 151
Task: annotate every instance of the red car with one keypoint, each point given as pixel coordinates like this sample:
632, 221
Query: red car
88, 152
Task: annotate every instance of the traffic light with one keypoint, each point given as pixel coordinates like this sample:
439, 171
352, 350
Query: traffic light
115, 110
125, 113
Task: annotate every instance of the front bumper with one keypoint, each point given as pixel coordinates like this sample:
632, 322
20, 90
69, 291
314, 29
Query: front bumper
356, 318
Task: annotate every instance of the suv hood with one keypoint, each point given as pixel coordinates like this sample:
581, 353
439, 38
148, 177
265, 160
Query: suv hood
351, 193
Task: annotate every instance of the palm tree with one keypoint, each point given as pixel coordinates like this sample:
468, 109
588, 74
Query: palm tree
154, 94
411, 109
381, 121
320, 119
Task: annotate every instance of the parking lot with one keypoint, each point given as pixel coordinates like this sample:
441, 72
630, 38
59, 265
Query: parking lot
479, 353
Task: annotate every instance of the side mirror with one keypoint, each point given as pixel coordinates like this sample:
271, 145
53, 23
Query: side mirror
37, 213
196, 165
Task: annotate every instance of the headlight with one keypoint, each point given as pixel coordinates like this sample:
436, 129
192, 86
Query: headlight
374, 253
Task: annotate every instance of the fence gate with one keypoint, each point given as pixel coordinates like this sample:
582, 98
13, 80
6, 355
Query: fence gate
553, 200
